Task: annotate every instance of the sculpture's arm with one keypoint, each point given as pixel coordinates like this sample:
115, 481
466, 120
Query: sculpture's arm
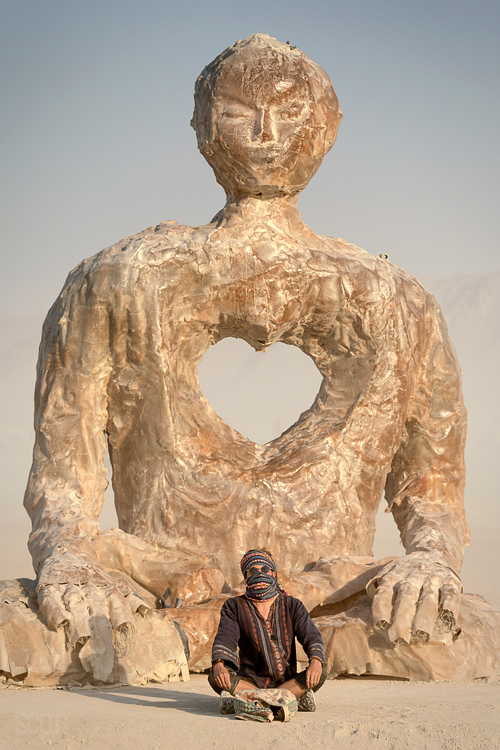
65, 491
425, 494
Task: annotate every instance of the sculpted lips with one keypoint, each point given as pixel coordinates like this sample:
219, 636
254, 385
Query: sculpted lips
266, 155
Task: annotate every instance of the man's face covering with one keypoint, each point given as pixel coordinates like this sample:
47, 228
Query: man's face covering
260, 586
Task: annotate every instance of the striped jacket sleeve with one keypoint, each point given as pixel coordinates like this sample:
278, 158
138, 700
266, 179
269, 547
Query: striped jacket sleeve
306, 632
225, 645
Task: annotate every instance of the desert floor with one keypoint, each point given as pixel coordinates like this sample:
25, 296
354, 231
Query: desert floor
352, 713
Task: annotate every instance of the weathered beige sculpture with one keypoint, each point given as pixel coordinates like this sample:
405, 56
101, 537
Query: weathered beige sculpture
118, 369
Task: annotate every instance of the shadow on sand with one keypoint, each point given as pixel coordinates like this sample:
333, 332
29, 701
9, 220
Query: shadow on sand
149, 697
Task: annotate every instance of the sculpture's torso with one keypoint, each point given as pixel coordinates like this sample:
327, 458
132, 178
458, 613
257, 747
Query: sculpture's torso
120, 354
184, 478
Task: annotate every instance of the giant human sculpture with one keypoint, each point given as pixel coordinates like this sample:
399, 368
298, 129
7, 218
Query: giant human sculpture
118, 369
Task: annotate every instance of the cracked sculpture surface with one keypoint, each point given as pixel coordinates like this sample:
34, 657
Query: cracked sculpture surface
118, 370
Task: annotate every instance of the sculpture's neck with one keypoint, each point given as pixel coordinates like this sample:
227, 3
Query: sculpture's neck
280, 211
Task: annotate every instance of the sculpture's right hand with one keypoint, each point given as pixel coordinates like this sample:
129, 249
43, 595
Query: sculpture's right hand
221, 676
94, 610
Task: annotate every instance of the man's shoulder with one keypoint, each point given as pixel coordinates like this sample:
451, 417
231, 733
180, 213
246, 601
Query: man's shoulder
233, 602
291, 602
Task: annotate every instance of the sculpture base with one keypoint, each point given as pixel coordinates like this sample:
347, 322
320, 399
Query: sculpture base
33, 655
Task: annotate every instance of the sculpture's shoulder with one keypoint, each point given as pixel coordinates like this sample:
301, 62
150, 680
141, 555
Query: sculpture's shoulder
378, 276
120, 264
139, 248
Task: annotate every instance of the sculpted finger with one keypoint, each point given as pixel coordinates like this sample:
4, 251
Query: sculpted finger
449, 603
78, 627
407, 596
96, 599
120, 613
382, 604
124, 587
427, 611
138, 605
52, 609
122, 622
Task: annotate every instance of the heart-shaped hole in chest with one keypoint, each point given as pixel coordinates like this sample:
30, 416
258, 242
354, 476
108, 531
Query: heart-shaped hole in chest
259, 394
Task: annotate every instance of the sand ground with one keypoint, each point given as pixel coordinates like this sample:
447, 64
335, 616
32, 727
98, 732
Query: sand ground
352, 713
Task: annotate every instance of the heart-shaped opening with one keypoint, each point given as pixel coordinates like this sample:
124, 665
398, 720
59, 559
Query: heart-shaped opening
259, 394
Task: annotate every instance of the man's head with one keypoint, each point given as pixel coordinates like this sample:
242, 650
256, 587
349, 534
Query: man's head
258, 561
265, 116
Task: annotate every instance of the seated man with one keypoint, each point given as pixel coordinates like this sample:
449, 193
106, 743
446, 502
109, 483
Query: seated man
263, 624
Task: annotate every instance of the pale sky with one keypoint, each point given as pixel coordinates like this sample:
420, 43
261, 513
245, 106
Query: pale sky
96, 143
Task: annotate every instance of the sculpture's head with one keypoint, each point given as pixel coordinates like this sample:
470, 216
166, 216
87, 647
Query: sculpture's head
265, 116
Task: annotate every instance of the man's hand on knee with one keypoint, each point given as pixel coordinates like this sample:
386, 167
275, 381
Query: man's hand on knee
313, 673
222, 676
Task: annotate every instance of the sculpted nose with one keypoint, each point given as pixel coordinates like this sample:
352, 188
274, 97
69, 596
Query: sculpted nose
264, 129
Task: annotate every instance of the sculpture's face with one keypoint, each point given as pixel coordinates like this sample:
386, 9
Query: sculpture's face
260, 129
263, 134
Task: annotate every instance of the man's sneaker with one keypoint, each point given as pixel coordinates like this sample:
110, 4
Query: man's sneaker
226, 703
307, 702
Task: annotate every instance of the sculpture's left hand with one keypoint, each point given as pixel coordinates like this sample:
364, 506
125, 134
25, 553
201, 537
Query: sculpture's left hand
411, 594
96, 611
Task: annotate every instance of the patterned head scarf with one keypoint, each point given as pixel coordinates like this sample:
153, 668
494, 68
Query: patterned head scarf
260, 586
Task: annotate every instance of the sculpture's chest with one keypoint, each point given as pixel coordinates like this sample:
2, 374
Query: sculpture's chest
264, 292
337, 310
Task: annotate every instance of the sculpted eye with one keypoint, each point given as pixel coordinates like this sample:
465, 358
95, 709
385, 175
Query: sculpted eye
291, 112
233, 113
